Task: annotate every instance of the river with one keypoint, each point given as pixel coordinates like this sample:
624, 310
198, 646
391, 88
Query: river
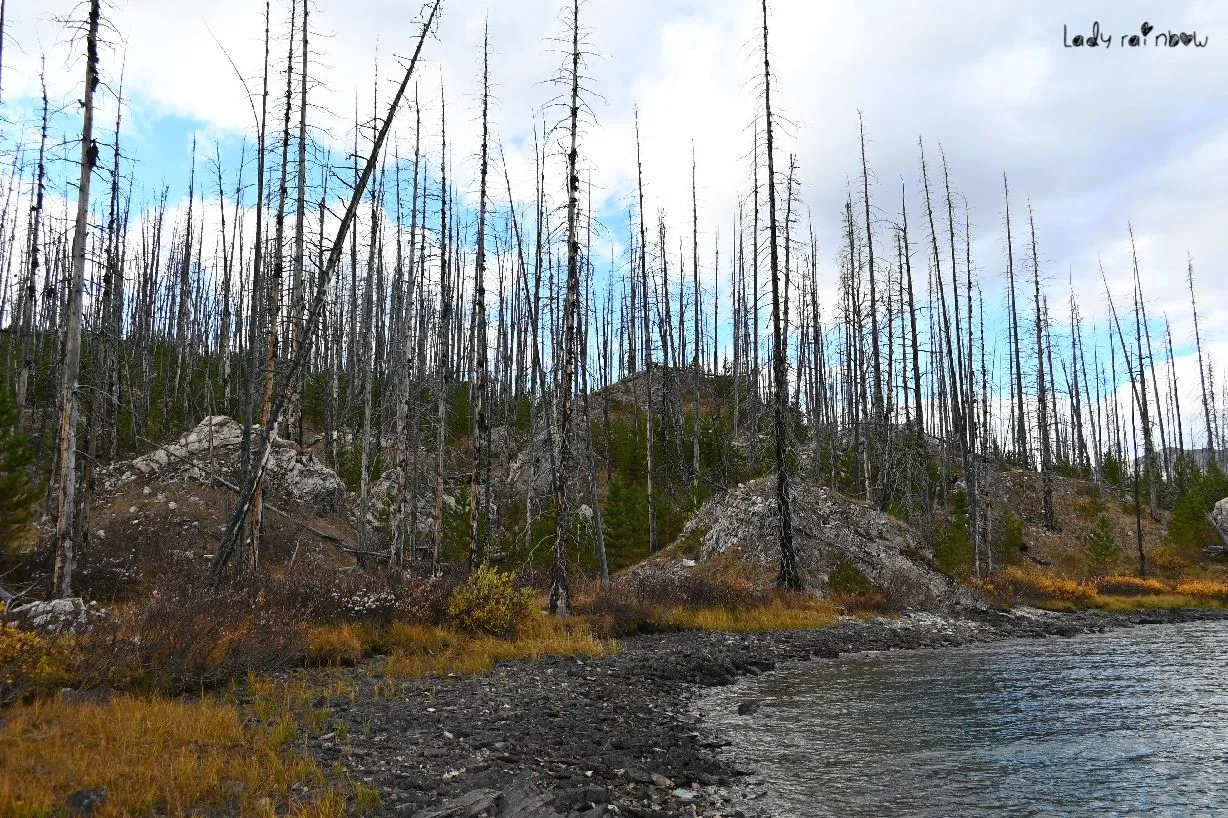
1129, 722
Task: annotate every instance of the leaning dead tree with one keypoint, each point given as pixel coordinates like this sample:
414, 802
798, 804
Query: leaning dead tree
255, 471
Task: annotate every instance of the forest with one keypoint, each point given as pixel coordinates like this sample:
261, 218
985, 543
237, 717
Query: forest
503, 421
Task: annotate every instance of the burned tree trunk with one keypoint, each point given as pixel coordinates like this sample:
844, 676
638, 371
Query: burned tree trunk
65, 531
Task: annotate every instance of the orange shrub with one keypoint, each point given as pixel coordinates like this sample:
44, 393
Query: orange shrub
1206, 588
1038, 586
1130, 586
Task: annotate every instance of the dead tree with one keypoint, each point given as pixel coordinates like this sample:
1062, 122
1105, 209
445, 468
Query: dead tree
1042, 393
480, 423
65, 531
1021, 428
653, 544
788, 576
244, 502
1202, 369
560, 593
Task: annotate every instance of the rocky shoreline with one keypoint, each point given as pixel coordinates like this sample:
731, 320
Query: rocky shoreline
618, 735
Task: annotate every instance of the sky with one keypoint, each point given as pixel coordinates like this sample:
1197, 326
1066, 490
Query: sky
1095, 139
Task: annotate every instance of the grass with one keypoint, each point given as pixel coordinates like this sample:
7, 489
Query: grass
164, 756
1119, 594
775, 616
1129, 586
415, 651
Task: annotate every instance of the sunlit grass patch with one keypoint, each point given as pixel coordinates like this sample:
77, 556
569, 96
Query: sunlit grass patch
1045, 589
776, 615
1131, 604
422, 650
160, 756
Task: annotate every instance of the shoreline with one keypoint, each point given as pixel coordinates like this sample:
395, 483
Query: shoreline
617, 735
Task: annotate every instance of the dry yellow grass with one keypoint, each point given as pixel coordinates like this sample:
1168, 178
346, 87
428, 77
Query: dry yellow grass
340, 644
772, 617
1127, 604
420, 650
159, 756
1037, 586
1124, 585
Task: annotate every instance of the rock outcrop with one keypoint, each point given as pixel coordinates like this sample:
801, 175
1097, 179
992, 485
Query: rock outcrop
212, 450
828, 531
52, 616
1219, 519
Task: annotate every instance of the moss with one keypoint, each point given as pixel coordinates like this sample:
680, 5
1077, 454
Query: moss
847, 578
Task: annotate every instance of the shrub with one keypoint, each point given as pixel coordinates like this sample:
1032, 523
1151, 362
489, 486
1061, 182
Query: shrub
30, 663
490, 602
316, 593
1129, 586
1209, 589
1189, 526
612, 614
679, 588
1012, 534
184, 637
1168, 560
952, 542
1101, 546
847, 578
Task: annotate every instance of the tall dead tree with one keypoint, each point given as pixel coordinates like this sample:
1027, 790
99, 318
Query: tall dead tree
1021, 425
273, 301
695, 323
30, 293
65, 531
480, 423
647, 358
443, 340
294, 421
1042, 392
1202, 369
877, 417
560, 593
789, 577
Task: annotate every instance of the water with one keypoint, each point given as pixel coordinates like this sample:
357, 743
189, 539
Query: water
1131, 722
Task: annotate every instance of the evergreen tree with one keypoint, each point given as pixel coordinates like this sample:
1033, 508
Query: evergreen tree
19, 494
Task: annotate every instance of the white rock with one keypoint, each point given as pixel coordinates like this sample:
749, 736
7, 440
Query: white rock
52, 616
1219, 519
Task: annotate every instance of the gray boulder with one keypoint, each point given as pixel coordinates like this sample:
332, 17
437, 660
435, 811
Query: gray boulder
51, 616
828, 530
1219, 519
